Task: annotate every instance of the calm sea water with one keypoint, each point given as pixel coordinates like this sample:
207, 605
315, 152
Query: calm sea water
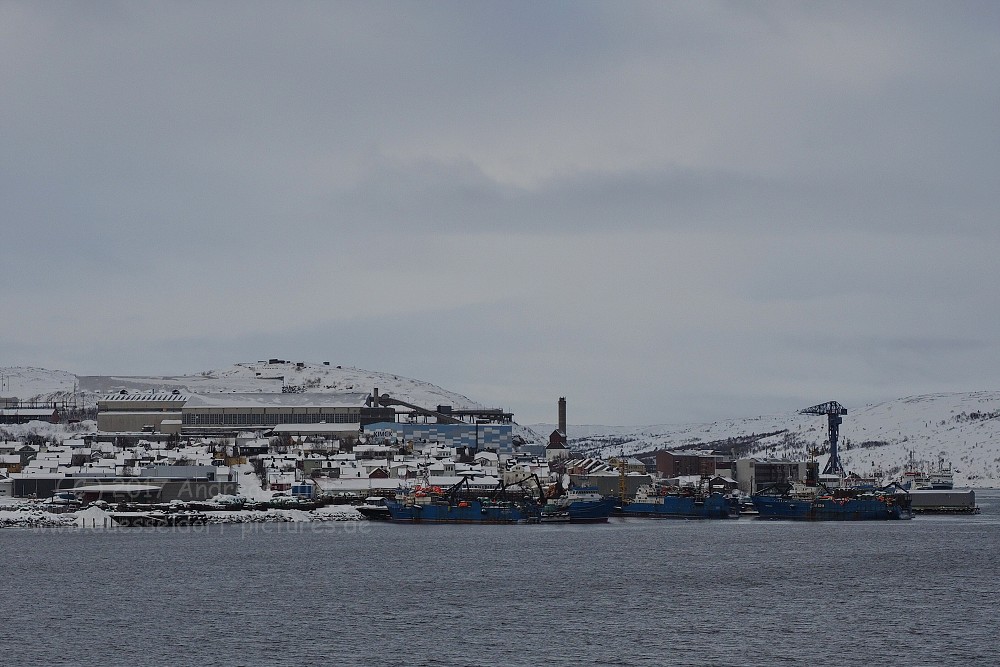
631, 592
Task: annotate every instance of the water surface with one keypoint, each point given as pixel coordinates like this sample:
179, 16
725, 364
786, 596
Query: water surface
632, 592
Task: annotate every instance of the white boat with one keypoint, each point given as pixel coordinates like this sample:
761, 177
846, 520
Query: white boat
941, 477
914, 480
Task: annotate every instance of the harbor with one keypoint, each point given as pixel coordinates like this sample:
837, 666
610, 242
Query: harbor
431, 466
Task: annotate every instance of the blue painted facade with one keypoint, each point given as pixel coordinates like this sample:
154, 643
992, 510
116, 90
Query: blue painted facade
497, 437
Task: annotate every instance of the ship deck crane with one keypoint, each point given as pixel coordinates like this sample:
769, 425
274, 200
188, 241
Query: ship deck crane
833, 411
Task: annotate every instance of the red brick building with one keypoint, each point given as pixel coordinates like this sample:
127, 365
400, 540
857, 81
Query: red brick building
671, 464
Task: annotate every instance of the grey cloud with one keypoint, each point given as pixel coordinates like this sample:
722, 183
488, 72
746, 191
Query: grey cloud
754, 157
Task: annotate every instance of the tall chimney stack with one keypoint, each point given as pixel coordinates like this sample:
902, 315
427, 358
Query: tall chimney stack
562, 415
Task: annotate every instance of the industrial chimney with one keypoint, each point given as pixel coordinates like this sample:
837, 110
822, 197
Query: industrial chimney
562, 415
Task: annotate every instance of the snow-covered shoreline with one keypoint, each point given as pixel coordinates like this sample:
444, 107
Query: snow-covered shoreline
22, 516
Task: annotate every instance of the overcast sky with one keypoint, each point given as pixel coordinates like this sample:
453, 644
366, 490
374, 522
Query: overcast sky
664, 211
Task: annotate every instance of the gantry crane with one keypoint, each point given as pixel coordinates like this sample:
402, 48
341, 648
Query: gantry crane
833, 411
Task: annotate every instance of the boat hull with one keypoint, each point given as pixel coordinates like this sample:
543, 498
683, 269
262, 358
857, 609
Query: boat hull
380, 513
715, 506
833, 509
581, 511
472, 511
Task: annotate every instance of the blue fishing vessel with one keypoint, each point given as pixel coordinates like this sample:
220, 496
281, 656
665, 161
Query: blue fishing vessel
778, 501
818, 502
462, 511
651, 502
459, 504
581, 505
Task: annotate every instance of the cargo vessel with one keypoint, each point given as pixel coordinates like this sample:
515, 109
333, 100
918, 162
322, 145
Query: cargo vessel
580, 505
652, 502
780, 501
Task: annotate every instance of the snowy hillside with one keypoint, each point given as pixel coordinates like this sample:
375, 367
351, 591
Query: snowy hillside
262, 377
252, 377
961, 428
36, 383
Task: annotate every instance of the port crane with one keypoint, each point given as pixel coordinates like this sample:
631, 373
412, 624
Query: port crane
833, 411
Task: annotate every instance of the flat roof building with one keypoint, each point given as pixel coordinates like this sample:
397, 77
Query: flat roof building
198, 415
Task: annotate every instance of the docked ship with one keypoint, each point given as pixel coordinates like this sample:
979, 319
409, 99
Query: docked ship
783, 501
581, 505
940, 478
463, 511
374, 509
818, 501
457, 504
653, 502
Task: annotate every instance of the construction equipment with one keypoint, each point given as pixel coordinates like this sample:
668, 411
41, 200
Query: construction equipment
833, 411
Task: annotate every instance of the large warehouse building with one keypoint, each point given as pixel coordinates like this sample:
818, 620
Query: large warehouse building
228, 414
474, 437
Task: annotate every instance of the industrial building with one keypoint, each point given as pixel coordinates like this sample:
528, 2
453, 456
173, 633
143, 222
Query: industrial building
474, 437
672, 464
225, 415
755, 474
128, 489
16, 411
151, 412
330, 415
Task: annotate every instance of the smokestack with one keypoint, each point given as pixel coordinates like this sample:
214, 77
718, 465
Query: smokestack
562, 415
375, 397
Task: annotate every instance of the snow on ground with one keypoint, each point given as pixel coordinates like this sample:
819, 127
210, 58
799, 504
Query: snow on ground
963, 429
339, 513
250, 487
94, 517
34, 518
25, 382
264, 377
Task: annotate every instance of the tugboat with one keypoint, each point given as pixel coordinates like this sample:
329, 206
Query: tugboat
581, 505
458, 504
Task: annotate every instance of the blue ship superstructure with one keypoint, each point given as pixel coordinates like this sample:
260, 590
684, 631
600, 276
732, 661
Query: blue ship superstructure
581, 505
681, 504
459, 505
779, 501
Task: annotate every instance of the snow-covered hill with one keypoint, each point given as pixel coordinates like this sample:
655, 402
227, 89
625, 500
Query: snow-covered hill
256, 377
252, 377
961, 428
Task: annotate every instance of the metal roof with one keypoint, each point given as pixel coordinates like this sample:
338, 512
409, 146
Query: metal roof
159, 396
